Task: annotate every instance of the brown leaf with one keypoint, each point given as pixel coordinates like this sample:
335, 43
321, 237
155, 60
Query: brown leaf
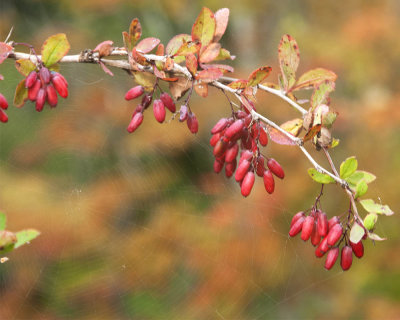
201, 89
209, 75
210, 52
279, 138
179, 88
104, 48
258, 75
289, 58
135, 30
312, 132
221, 18
147, 44
191, 63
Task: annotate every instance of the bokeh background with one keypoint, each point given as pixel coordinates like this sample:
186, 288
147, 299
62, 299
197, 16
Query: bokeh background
139, 227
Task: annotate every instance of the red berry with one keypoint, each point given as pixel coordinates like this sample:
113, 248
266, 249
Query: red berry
297, 226
159, 110
40, 99
134, 93
183, 113
3, 102
192, 123
220, 125
135, 122
60, 86
358, 248
168, 102
260, 168
51, 96
296, 217
146, 100
275, 168
44, 75
346, 258
3, 116
332, 221
56, 74
263, 137
231, 153
214, 139
235, 128
33, 91
307, 229
218, 165
269, 182
334, 234
220, 148
247, 183
242, 169
331, 258
322, 224
30, 79
241, 114
322, 248
245, 155
315, 237
230, 168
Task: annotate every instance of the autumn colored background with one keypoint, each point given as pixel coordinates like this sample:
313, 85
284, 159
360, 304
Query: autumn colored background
138, 226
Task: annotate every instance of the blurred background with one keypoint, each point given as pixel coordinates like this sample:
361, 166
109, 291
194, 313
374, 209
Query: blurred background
139, 227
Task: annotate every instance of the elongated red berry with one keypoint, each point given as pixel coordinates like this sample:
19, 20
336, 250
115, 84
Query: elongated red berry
3, 102
346, 258
245, 155
51, 93
159, 110
334, 234
260, 168
297, 226
275, 168
168, 102
247, 183
296, 217
3, 116
192, 123
230, 168
234, 128
331, 257
134, 93
30, 79
315, 237
146, 100
33, 91
358, 248
56, 74
231, 153
322, 224
136, 121
214, 139
307, 229
183, 113
263, 137
220, 148
332, 221
218, 165
241, 170
322, 248
220, 125
44, 75
40, 99
269, 182
60, 86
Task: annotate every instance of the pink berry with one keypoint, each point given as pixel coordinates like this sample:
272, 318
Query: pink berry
60, 86
275, 168
346, 258
34, 89
220, 125
331, 258
263, 137
230, 168
332, 221
134, 93
260, 168
296, 217
183, 113
218, 165
231, 153
315, 237
214, 139
146, 100
322, 248
220, 148
44, 75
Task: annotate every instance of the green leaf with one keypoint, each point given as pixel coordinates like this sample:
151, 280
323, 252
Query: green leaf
203, 29
289, 58
320, 177
370, 206
258, 75
21, 94
329, 118
335, 143
321, 93
370, 220
224, 55
3, 221
359, 175
361, 189
348, 167
24, 66
54, 48
356, 233
25, 236
313, 78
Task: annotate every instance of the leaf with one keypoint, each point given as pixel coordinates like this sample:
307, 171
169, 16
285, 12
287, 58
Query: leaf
54, 48
335, 143
374, 236
348, 167
24, 66
7, 238
361, 189
201, 89
238, 84
358, 176
104, 48
169, 64
5, 50
210, 53
370, 206
143, 79
158, 73
221, 19
188, 48
312, 132
105, 69
135, 32
279, 138
224, 55
320, 177
293, 126
138, 57
160, 50
209, 75
21, 94
356, 233
289, 58
258, 75
3, 221
25, 236
329, 118
314, 77
222, 67
321, 93
204, 27
147, 44
179, 88
191, 64
370, 220
176, 42
271, 85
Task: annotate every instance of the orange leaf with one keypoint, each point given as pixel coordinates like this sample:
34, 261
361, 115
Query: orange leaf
147, 44
104, 48
176, 42
160, 50
201, 89
135, 30
5, 50
312, 132
210, 52
258, 75
222, 67
209, 75
191, 63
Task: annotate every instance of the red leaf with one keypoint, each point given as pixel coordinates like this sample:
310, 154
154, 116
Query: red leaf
258, 75
104, 48
191, 63
160, 50
279, 138
209, 75
5, 50
222, 67
221, 18
105, 69
203, 29
158, 73
138, 57
210, 52
147, 44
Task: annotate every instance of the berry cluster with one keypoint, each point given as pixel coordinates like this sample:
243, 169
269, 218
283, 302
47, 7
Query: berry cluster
159, 105
230, 133
326, 235
43, 86
3, 106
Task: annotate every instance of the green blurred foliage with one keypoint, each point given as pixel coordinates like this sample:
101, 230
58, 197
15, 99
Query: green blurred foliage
138, 226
